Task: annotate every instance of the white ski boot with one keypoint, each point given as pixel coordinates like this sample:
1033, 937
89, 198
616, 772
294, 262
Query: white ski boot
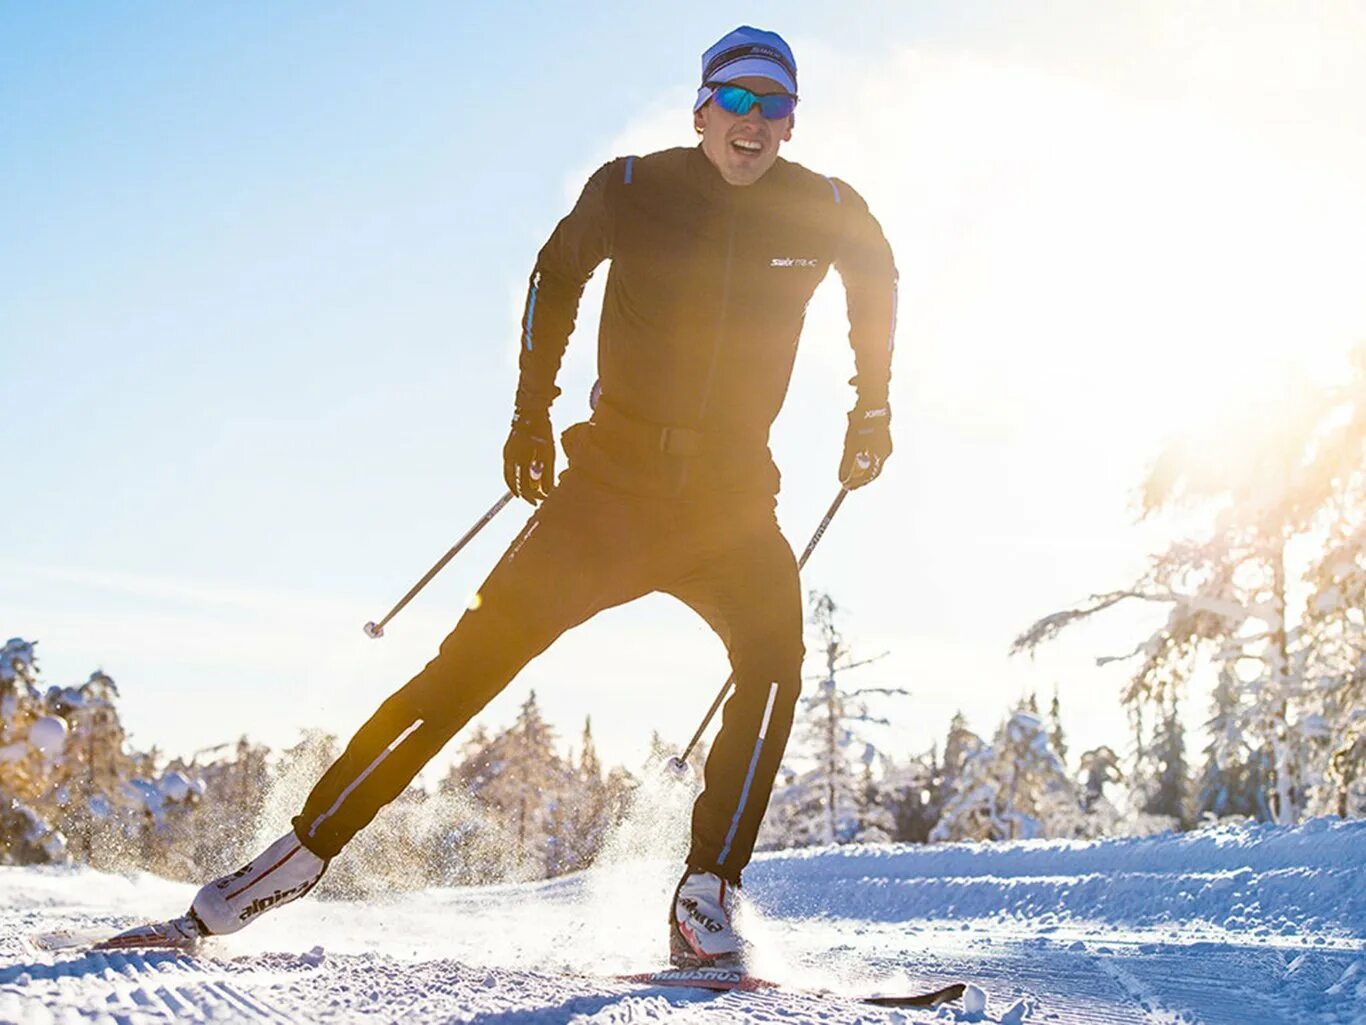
700, 931
284, 871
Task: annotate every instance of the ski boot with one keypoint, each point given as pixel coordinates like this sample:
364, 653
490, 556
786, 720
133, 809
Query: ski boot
701, 934
284, 871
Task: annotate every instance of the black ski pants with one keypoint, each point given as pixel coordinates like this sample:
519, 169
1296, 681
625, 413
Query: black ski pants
589, 547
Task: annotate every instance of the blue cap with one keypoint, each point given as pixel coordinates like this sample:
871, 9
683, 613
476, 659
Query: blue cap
747, 51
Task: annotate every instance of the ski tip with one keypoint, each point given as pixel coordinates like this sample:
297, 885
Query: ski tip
943, 995
57, 940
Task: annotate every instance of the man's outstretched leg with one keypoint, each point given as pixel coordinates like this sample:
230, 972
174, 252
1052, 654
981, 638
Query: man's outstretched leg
571, 560
751, 596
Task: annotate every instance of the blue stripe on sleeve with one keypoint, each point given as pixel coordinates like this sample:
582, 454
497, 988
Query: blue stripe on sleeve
530, 311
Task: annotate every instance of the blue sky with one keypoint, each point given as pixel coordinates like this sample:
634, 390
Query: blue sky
261, 268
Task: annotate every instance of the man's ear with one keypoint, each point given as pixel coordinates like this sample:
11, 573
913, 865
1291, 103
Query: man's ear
699, 121
787, 132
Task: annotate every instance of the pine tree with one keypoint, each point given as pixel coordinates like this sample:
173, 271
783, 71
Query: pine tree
1227, 786
1055, 734
589, 767
96, 807
910, 790
1168, 792
876, 818
519, 776
829, 803
960, 746
592, 806
1017, 788
1100, 767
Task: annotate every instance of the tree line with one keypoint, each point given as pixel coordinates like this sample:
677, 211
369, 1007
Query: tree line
1262, 598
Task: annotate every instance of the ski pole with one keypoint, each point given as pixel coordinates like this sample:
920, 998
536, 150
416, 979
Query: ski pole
678, 764
376, 630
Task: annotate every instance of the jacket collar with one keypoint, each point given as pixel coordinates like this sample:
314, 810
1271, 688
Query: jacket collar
709, 180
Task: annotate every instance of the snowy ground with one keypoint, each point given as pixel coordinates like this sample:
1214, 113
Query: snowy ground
1240, 926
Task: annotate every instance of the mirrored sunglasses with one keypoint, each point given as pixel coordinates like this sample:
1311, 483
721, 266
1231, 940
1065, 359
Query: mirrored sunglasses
737, 100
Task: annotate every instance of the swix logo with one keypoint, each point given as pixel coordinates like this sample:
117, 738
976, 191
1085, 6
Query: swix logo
710, 924
793, 261
263, 903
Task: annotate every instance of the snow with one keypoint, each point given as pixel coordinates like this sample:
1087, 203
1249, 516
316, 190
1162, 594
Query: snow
1253, 925
48, 735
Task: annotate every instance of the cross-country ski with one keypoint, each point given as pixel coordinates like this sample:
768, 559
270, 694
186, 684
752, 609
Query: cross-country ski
720, 980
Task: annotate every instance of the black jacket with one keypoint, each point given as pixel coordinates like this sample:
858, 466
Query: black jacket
707, 291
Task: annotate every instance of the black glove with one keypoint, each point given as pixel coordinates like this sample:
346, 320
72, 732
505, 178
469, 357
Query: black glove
867, 444
529, 457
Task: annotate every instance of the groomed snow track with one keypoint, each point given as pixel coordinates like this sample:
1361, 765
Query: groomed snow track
1251, 926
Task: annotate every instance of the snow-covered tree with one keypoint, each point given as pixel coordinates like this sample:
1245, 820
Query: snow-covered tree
592, 804
1162, 783
1269, 492
834, 799
520, 776
1333, 634
961, 745
1100, 767
1230, 783
30, 744
911, 790
99, 803
876, 809
1017, 788
1055, 734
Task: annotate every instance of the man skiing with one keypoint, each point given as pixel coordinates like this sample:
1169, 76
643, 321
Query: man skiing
715, 252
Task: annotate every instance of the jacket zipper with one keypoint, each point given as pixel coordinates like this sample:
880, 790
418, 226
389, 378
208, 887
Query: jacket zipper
721, 318
720, 328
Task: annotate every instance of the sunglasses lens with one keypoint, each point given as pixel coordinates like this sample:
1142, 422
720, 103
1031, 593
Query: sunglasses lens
735, 100
775, 107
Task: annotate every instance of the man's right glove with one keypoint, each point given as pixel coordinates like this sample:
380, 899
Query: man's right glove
867, 444
529, 457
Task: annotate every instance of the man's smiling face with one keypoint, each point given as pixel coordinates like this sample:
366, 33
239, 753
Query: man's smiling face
742, 148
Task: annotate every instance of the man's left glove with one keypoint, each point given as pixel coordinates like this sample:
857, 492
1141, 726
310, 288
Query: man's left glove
867, 445
529, 457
